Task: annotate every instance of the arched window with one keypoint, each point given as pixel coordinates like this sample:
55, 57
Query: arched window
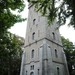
38, 72
26, 72
58, 71
32, 67
56, 55
53, 35
32, 54
34, 20
32, 73
33, 36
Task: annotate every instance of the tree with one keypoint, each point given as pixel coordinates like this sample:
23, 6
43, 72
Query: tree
10, 55
7, 18
69, 49
9, 46
61, 10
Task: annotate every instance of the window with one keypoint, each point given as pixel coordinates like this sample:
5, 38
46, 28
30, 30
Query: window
34, 21
32, 73
32, 54
26, 72
32, 67
53, 35
33, 36
57, 70
56, 55
38, 71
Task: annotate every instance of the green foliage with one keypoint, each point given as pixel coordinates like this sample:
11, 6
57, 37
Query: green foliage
44, 7
59, 10
10, 54
7, 18
10, 45
69, 49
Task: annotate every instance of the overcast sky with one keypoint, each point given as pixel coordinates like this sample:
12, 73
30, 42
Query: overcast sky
20, 28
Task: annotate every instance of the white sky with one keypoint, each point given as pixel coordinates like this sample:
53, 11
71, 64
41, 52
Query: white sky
20, 28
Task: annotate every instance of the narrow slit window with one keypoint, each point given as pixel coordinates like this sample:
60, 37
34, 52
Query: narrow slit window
34, 21
58, 71
26, 72
38, 72
33, 67
56, 55
30, 67
53, 35
33, 36
32, 54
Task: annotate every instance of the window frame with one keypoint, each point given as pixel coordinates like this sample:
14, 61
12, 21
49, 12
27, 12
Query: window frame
32, 67
34, 21
38, 71
26, 72
53, 35
32, 53
32, 73
58, 71
33, 36
56, 53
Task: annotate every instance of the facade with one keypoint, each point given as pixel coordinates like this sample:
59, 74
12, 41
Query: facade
43, 53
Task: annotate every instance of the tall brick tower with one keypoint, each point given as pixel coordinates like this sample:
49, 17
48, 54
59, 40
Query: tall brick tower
43, 54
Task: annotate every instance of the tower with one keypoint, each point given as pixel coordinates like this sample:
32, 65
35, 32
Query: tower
43, 54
